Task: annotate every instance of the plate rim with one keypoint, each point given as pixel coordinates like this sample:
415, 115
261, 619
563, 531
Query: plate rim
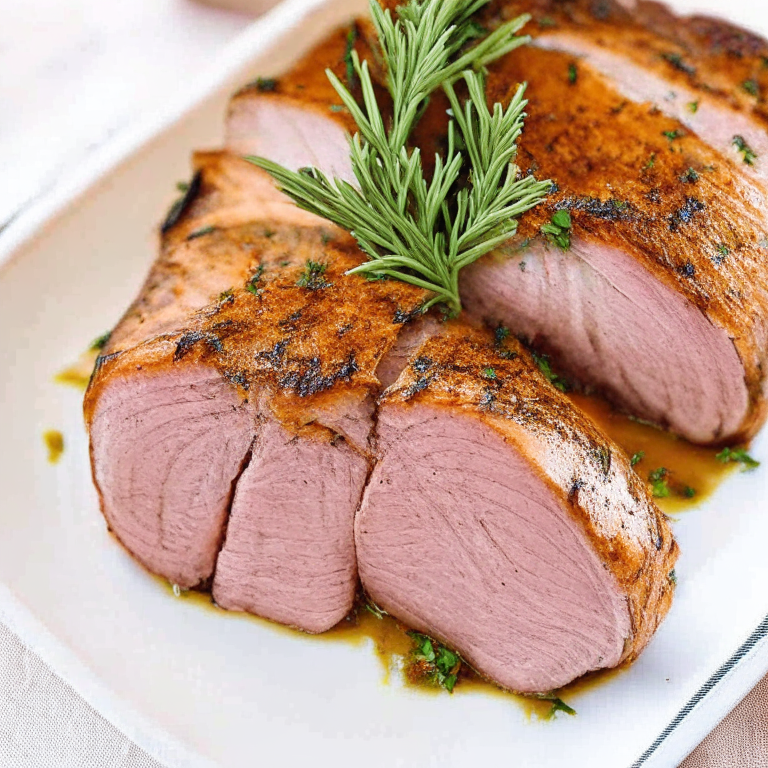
697, 718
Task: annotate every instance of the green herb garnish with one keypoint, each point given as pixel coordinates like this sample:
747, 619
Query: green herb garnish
546, 368
424, 232
693, 106
637, 458
558, 705
312, 276
375, 610
98, 344
672, 578
489, 373
434, 663
748, 154
252, 286
659, 483
737, 456
676, 60
690, 176
558, 231
672, 135
573, 73
751, 87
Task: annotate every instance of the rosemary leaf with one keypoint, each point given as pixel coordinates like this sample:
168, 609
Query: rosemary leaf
421, 231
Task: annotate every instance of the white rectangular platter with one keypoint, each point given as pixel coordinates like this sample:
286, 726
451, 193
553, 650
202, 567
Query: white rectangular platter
195, 688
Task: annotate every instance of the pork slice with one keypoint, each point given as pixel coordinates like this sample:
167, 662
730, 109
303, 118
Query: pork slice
666, 266
700, 71
666, 232
297, 121
241, 422
501, 522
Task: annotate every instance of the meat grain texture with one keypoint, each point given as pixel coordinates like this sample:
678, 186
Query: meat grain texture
661, 302
243, 441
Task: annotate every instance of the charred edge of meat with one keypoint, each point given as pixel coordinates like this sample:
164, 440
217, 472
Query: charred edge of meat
188, 341
180, 206
403, 317
610, 210
312, 381
685, 214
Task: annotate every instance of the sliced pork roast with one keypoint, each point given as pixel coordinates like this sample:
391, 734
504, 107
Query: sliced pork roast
502, 522
661, 300
243, 379
704, 72
232, 439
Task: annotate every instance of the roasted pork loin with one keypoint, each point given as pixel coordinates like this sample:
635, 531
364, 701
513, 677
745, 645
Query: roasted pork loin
661, 301
242, 440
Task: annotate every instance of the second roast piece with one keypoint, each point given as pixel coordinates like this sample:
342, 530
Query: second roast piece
660, 301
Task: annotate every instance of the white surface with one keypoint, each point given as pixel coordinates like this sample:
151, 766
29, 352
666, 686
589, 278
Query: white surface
238, 691
76, 73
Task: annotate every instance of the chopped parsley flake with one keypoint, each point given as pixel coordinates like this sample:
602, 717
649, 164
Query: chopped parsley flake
312, 276
690, 176
546, 368
573, 73
637, 458
651, 161
434, 663
747, 153
252, 286
751, 87
489, 373
375, 610
672, 135
672, 578
558, 231
737, 456
659, 483
558, 705
101, 342
676, 60
693, 106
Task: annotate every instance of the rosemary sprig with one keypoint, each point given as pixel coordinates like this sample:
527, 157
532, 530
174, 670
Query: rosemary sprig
424, 232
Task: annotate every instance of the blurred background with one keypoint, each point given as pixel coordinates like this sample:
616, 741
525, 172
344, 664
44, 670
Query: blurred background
75, 73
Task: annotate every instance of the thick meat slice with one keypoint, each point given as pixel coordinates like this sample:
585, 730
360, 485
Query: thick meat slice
704, 72
501, 522
661, 301
259, 400
237, 355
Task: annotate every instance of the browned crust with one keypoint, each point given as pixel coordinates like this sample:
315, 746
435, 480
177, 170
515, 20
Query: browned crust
302, 352
466, 371
675, 205
626, 183
709, 56
301, 349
